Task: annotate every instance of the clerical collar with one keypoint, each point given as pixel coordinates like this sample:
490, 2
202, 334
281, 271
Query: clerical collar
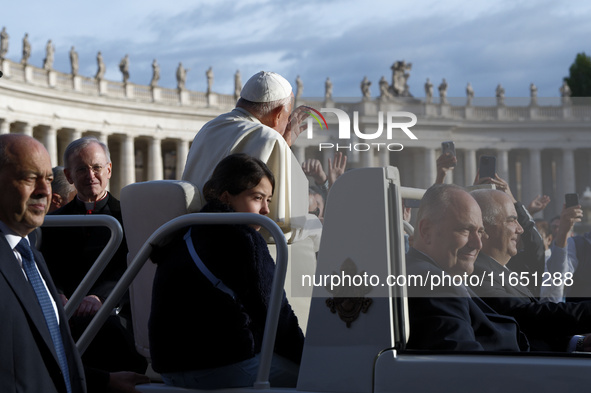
93, 207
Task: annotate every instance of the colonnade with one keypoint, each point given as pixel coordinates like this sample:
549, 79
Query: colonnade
134, 158
540, 149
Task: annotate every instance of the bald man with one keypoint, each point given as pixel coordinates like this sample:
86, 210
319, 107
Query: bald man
38, 353
447, 240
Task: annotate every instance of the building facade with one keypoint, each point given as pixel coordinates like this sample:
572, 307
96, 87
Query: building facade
541, 148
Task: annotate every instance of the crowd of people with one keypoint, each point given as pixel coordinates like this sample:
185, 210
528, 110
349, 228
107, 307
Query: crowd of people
212, 285
487, 233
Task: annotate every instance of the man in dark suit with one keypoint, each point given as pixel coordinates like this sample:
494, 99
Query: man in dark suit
37, 355
449, 316
549, 326
87, 165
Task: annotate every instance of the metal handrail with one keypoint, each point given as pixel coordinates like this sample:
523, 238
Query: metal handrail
103, 259
262, 381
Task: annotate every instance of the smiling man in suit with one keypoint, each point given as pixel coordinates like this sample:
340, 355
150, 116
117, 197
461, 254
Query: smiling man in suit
38, 353
549, 326
450, 316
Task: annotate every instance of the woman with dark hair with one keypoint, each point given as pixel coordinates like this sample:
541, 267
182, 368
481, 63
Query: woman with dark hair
208, 337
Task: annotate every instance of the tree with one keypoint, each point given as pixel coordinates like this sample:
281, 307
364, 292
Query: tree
579, 79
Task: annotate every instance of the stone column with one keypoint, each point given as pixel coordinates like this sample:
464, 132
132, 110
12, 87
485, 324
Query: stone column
383, 157
503, 164
424, 168
103, 137
568, 172
155, 166
470, 166
449, 177
127, 160
182, 151
5, 127
74, 134
430, 167
366, 158
534, 177
50, 142
27, 129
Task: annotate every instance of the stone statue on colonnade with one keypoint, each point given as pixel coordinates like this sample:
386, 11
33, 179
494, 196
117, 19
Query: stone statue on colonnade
328, 89
209, 76
299, 87
385, 90
500, 93
124, 68
469, 94
428, 91
181, 76
565, 93
533, 93
443, 91
49, 54
3, 43
400, 78
100, 73
74, 61
155, 74
237, 84
26, 49
365, 84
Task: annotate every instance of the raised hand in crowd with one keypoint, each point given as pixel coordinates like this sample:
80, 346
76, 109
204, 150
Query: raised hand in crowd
538, 204
313, 168
500, 184
336, 167
568, 218
445, 163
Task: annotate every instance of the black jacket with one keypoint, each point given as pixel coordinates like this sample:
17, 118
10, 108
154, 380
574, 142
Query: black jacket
194, 325
452, 317
530, 259
549, 326
71, 251
28, 362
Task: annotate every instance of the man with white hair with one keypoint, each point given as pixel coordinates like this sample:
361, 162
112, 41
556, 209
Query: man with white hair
450, 316
62, 192
549, 326
263, 126
260, 126
88, 167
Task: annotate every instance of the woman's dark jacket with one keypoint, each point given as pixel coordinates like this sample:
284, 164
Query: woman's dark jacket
194, 325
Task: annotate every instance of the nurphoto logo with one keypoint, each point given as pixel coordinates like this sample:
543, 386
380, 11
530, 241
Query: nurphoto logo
356, 141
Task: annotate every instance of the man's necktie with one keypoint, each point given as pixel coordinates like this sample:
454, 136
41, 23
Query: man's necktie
45, 302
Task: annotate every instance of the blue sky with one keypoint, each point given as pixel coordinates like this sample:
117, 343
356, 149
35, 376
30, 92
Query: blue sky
486, 43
